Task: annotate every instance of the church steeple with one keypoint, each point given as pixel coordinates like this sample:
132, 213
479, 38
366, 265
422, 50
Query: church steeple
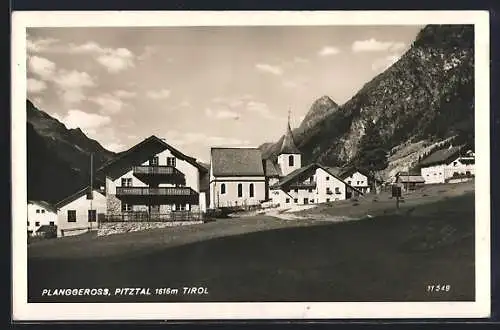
289, 158
288, 146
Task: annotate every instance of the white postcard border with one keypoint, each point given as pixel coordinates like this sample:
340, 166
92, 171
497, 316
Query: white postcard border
22, 310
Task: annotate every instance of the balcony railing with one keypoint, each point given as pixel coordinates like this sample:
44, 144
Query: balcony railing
167, 170
161, 191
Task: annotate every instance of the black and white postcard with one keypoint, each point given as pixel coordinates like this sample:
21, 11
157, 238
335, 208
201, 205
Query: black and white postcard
250, 165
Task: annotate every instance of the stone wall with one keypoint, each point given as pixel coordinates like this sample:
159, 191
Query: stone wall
113, 204
111, 228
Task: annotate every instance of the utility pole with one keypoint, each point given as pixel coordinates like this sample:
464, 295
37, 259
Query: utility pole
91, 185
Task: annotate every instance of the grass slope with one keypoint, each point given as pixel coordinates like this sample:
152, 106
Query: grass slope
392, 257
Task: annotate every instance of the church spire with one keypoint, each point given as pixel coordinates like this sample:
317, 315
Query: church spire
288, 146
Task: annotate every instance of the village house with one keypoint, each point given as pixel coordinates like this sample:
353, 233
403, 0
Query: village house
41, 215
153, 180
445, 164
237, 177
354, 177
409, 180
81, 212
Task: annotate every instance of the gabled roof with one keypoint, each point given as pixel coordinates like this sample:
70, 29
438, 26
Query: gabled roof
237, 162
140, 153
79, 194
288, 145
443, 156
296, 174
44, 204
272, 169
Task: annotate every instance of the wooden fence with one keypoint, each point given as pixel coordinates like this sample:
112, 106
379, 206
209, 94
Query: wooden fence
154, 217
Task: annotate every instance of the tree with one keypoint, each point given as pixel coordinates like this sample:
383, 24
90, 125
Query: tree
372, 153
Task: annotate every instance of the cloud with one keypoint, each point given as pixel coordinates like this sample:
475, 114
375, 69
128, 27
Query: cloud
221, 114
71, 84
328, 51
88, 122
36, 86
373, 45
116, 60
159, 95
273, 69
113, 59
380, 64
40, 45
42, 67
114, 146
108, 103
147, 53
123, 94
178, 138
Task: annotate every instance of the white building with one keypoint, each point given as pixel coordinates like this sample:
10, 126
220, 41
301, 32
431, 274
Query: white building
81, 212
40, 215
153, 180
236, 177
445, 164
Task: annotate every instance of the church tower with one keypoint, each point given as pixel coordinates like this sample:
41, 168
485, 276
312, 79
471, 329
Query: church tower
289, 157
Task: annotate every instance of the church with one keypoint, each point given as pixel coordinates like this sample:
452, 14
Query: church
298, 185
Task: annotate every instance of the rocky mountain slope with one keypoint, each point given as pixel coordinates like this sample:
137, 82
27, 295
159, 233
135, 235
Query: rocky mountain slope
426, 97
58, 157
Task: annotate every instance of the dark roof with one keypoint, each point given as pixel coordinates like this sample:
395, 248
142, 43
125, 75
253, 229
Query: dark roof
288, 146
140, 153
43, 204
334, 170
78, 194
237, 162
443, 156
294, 175
272, 169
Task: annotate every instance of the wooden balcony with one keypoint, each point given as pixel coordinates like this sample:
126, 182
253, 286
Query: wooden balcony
160, 195
153, 175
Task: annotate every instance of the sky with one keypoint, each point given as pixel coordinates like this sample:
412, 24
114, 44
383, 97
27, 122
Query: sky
201, 87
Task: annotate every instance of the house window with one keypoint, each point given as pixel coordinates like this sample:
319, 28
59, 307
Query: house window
180, 207
92, 216
306, 201
37, 224
28, 223
328, 200
295, 200
71, 215
153, 161
251, 190
240, 190
286, 201
290, 160
126, 182
223, 188
349, 182
171, 161
467, 172
327, 178
337, 190
328, 191
126, 207
296, 190
37, 211
51, 223
43, 211
310, 190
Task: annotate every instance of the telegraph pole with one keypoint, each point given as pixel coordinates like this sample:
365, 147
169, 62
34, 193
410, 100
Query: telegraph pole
91, 185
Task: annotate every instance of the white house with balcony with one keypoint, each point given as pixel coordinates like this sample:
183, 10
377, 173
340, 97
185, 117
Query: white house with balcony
447, 164
153, 180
